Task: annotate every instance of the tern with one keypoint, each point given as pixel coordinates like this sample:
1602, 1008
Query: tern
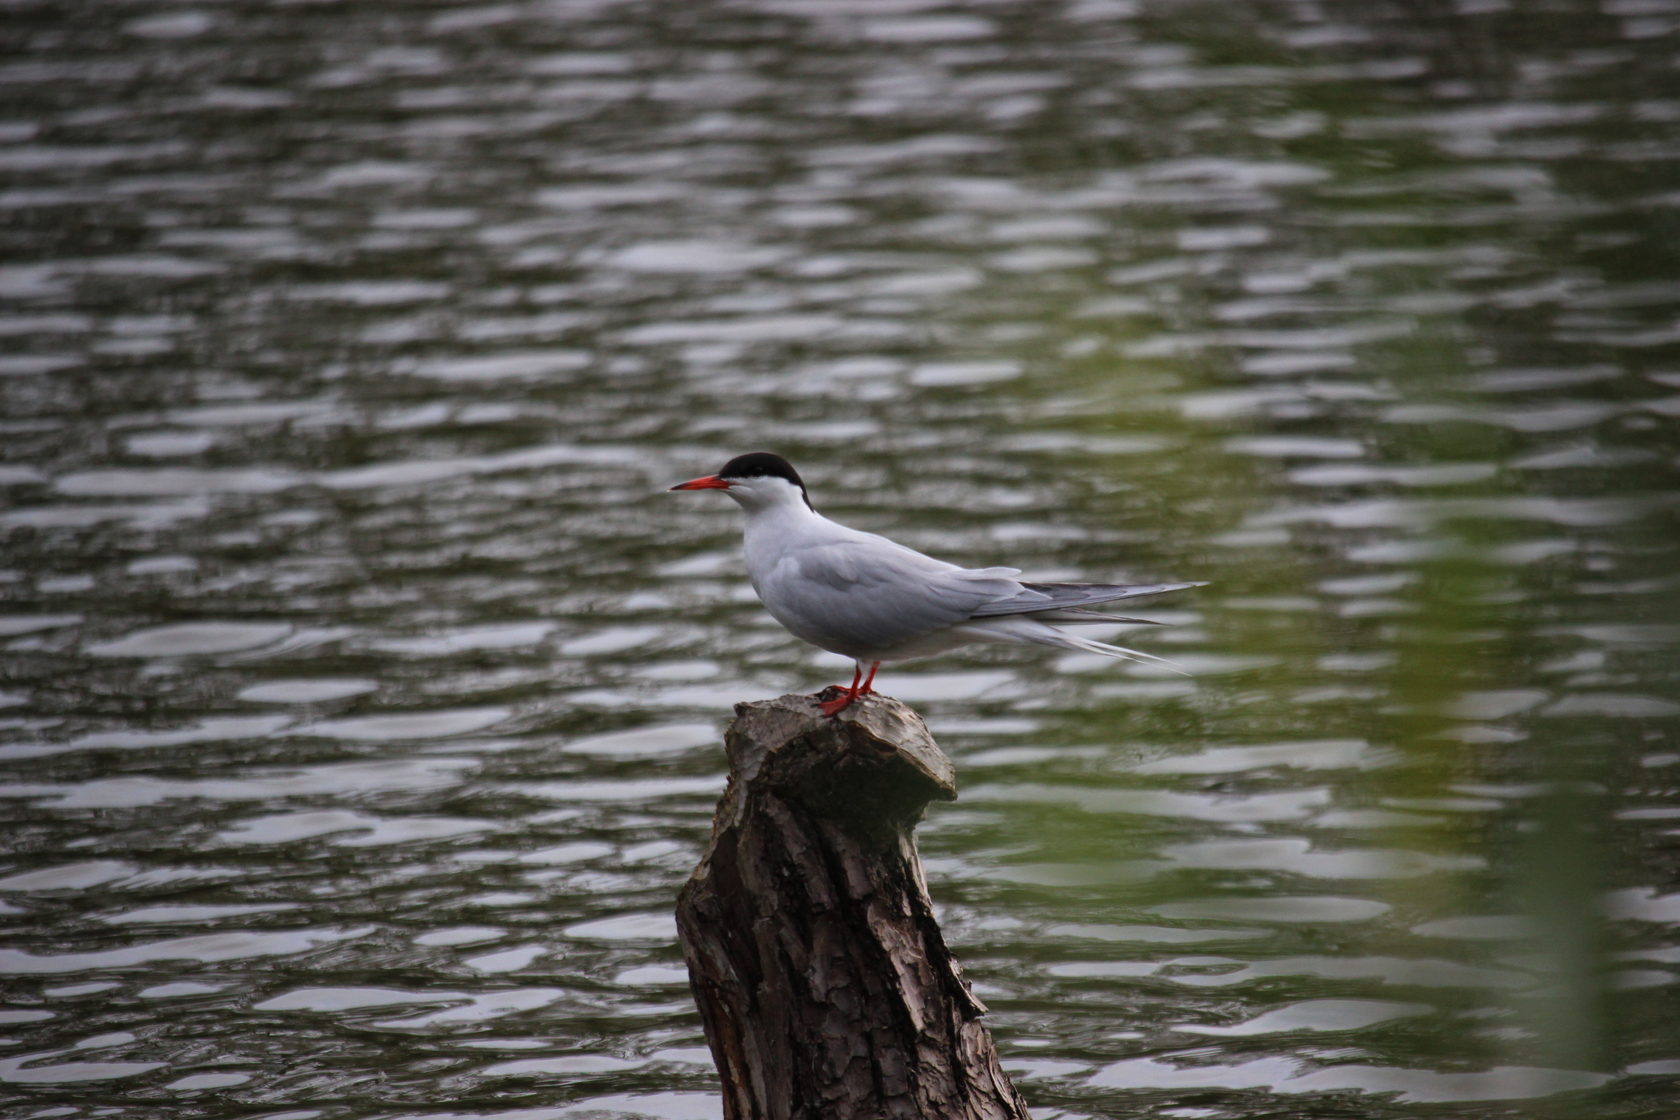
873, 600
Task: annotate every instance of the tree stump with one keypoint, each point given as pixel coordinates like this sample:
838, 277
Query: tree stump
823, 981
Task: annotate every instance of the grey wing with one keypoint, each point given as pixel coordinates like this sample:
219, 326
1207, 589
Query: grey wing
1035, 597
869, 594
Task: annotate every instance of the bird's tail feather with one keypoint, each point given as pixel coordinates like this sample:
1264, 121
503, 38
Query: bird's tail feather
1091, 645
1084, 614
1040, 633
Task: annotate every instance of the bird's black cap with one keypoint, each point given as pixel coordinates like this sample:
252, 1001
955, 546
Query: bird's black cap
763, 464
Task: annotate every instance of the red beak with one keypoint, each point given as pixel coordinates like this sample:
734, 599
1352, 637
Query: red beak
709, 482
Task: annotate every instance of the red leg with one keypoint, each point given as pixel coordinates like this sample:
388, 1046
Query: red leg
835, 706
869, 681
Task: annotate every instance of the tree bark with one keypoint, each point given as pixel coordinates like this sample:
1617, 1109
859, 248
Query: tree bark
823, 981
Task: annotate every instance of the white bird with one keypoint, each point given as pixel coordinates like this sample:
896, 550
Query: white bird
874, 600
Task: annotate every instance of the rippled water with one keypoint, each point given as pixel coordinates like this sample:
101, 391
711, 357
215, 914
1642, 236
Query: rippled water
361, 689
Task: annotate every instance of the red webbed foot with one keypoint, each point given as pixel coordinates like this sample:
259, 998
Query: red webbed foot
838, 704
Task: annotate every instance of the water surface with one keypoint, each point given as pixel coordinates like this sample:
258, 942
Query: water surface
361, 690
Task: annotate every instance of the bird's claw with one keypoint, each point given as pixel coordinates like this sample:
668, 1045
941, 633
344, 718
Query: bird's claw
838, 698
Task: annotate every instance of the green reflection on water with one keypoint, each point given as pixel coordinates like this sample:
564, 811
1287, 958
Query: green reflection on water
1363, 314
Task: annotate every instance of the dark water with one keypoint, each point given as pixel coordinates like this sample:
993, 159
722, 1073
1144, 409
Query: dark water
362, 690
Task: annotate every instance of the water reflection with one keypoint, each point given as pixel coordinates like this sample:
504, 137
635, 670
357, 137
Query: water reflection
361, 690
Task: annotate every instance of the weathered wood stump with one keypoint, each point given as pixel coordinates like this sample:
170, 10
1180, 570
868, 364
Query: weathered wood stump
823, 981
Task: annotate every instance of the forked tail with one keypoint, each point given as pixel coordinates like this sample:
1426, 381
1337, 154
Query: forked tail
1043, 634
